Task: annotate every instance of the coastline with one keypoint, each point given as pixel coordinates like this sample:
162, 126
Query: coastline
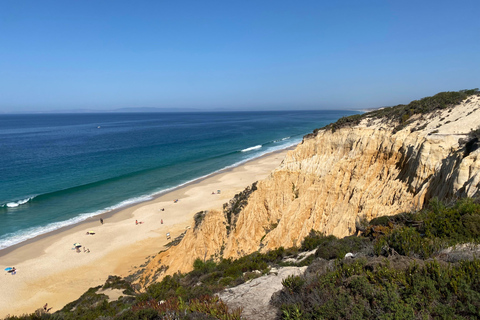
122, 205
49, 271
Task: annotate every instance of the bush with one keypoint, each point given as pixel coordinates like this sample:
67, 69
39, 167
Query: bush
116, 282
86, 300
408, 242
380, 221
312, 241
202, 267
359, 290
402, 113
331, 247
293, 283
425, 233
444, 221
162, 290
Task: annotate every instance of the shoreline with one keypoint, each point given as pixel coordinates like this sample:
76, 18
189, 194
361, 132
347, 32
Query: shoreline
151, 197
154, 196
46, 262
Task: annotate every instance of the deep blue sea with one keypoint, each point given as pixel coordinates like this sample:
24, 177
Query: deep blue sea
59, 169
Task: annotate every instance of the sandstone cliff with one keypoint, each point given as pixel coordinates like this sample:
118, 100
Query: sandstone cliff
335, 177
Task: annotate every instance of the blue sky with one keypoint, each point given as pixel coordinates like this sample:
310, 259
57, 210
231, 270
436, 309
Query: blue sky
64, 55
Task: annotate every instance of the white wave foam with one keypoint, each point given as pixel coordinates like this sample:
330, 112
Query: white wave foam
280, 140
14, 204
252, 148
30, 233
236, 164
258, 155
127, 203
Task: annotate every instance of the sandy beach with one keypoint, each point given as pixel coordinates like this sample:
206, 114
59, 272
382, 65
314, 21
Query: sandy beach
49, 270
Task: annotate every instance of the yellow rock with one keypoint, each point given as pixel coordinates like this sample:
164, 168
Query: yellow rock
332, 178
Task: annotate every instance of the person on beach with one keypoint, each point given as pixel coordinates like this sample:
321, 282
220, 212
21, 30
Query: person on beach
136, 221
14, 271
101, 220
161, 221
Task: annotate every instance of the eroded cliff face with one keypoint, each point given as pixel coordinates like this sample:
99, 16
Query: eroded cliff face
332, 178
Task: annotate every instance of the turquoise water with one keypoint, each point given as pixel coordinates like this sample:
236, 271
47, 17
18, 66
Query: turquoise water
59, 169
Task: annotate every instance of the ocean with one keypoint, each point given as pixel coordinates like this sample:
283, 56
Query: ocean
60, 169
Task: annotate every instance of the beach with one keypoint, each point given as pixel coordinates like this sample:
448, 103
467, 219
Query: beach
50, 270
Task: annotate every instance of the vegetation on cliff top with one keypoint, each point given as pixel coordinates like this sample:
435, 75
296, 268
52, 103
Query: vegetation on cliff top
401, 113
400, 270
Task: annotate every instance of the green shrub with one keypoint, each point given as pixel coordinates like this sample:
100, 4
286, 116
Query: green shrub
381, 221
359, 290
293, 283
407, 241
203, 267
162, 290
116, 282
292, 312
330, 247
401, 113
86, 300
226, 281
471, 223
147, 314
312, 241
426, 232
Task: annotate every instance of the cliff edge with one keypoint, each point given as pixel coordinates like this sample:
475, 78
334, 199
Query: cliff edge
373, 166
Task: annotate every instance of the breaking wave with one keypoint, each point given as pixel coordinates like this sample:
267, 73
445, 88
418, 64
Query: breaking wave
280, 140
252, 148
14, 204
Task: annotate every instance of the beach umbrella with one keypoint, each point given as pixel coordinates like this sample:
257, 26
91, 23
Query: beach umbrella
77, 245
8, 269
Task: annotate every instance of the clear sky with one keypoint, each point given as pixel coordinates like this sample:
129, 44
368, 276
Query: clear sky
68, 54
